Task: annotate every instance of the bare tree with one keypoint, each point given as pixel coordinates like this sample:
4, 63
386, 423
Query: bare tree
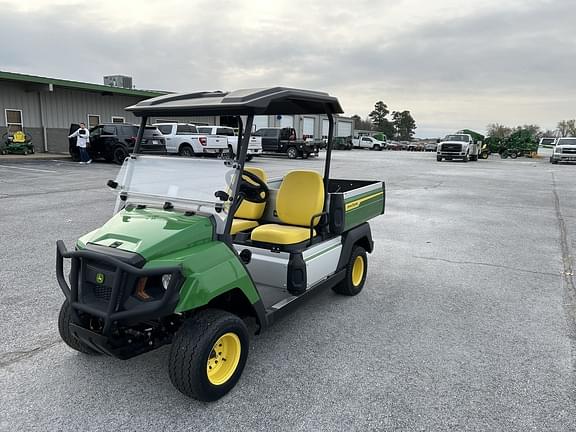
566, 127
498, 130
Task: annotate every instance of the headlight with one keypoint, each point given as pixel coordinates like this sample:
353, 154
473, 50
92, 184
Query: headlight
166, 280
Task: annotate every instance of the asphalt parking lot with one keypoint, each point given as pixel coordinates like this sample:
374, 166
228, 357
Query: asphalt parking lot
466, 321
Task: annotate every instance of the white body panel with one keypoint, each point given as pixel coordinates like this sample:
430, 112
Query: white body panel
254, 147
368, 142
174, 140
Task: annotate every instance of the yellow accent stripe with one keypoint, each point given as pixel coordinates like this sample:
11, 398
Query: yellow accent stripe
355, 204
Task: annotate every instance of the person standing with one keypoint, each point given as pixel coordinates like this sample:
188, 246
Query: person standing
82, 139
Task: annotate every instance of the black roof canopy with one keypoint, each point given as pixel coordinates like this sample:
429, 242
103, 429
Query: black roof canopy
260, 101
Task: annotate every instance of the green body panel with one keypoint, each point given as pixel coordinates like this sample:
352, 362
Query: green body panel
363, 207
166, 238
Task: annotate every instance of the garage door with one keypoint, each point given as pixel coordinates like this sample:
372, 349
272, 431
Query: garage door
260, 122
287, 121
308, 127
344, 129
325, 128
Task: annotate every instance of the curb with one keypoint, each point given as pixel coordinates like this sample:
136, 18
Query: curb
35, 157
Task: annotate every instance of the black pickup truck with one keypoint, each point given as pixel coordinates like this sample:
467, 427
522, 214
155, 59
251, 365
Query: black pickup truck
283, 140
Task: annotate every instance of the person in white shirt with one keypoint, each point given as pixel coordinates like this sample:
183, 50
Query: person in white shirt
82, 139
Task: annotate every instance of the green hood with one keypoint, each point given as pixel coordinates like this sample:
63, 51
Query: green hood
152, 233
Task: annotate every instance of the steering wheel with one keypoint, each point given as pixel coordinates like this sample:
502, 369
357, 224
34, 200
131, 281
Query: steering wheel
254, 193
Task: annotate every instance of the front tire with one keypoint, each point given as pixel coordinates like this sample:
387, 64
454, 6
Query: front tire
484, 155
208, 354
376, 147
356, 270
513, 155
553, 161
292, 153
438, 158
64, 319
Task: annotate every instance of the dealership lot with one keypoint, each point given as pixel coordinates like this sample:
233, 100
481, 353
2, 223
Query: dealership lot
466, 321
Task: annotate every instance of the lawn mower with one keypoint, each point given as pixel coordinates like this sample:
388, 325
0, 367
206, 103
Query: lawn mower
17, 143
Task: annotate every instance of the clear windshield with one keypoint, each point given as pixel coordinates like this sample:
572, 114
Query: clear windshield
567, 141
548, 141
184, 182
462, 138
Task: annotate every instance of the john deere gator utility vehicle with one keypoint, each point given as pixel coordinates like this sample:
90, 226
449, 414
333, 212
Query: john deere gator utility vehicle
198, 248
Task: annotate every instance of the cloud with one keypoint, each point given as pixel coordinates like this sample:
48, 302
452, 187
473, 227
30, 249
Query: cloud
453, 65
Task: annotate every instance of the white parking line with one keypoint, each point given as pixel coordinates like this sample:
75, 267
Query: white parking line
27, 169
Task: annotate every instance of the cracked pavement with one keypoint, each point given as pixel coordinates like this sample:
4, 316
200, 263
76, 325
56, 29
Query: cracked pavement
466, 321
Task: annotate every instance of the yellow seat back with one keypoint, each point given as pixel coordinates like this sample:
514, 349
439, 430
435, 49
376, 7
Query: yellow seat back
19, 137
248, 210
300, 197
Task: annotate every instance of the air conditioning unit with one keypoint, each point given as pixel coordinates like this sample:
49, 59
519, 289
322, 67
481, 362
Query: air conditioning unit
121, 81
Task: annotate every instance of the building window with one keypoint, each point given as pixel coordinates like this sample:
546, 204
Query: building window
13, 120
118, 119
93, 120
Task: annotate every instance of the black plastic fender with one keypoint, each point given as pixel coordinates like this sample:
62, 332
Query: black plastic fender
361, 235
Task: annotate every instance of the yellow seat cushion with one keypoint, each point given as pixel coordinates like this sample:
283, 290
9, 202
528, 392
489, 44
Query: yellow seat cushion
301, 196
248, 210
280, 234
239, 225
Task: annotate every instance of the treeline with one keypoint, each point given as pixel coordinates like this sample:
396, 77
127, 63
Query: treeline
564, 128
400, 126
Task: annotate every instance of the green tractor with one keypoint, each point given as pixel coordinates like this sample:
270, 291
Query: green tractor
200, 250
17, 143
522, 142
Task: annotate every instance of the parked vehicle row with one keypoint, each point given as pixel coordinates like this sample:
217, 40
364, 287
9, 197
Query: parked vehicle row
115, 141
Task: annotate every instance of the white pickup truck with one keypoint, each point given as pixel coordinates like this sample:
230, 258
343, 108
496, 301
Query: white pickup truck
184, 139
369, 143
254, 147
564, 150
458, 146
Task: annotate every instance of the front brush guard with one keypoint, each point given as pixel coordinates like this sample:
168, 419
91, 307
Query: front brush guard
115, 311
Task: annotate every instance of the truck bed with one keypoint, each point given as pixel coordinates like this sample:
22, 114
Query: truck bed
350, 202
353, 202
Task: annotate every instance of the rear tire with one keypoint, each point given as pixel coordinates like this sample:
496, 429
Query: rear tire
119, 155
292, 153
195, 366
64, 319
356, 270
484, 155
186, 150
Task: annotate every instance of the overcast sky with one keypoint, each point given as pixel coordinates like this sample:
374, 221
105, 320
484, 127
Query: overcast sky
453, 64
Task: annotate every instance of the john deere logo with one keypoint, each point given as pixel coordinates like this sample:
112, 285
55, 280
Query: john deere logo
99, 278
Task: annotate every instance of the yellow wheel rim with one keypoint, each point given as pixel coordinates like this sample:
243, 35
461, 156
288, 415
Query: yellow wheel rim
223, 359
357, 270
